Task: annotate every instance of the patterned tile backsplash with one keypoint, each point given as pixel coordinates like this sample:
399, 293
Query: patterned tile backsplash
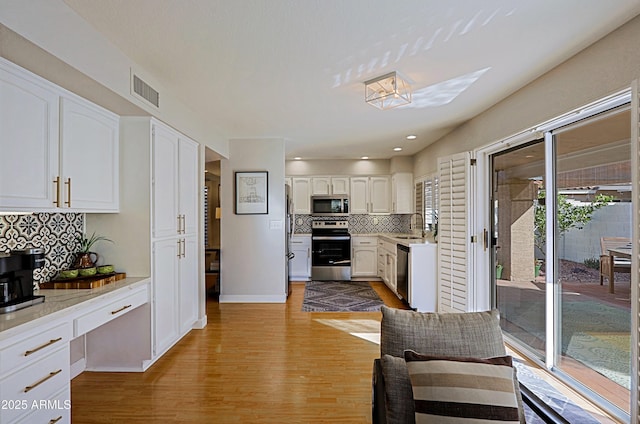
361, 224
57, 233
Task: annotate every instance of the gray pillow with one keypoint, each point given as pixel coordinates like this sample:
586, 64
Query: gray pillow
398, 393
471, 334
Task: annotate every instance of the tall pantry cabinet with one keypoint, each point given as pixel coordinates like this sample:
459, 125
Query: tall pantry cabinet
156, 231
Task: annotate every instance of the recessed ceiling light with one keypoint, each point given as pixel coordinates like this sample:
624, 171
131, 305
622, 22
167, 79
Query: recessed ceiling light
364, 157
412, 137
297, 158
397, 149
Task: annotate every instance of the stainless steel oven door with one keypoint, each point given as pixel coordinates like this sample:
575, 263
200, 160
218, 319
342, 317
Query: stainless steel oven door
331, 257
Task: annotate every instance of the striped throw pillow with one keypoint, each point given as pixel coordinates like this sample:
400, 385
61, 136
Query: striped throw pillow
462, 390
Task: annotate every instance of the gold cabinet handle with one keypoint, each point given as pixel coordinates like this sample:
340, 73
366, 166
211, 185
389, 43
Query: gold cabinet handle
33, 386
49, 343
57, 185
179, 249
184, 224
68, 184
55, 420
184, 248
120, 310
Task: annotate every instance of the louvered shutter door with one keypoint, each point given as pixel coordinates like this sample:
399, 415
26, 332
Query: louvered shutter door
453, 230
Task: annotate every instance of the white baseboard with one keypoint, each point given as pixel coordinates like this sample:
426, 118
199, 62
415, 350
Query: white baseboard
253, 299
78, 367
201, 323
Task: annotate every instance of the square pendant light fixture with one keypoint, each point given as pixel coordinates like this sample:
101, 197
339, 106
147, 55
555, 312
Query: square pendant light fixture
387, 91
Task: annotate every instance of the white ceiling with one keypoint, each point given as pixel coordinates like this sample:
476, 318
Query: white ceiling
294, 69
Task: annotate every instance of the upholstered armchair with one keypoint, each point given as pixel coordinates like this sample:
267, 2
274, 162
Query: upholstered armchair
445, 337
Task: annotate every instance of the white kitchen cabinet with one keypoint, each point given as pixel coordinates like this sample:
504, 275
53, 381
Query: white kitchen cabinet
370, 195
165, 294
320, 186
29, 139
329, 185
175, 183
300, 265
387, 263
89, 139
67, 158
340, 185
301, 195
188, 288
166, 220
364, 256
402, 193
158, 221
35, 367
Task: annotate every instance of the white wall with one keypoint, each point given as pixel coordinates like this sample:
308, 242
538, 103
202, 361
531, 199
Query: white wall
58, 30
252, 267
605, 67
338, 167
611, 221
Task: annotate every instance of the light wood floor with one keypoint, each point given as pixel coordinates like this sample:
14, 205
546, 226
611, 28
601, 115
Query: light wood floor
266, 363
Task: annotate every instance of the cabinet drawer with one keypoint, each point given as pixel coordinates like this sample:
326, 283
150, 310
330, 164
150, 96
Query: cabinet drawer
110, 311
33, 348
53, 411
40, 380
364, 241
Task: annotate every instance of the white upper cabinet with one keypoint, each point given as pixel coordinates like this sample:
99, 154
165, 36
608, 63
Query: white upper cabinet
340, 185
370, 195
89, 138
329, 185
166, 222
59, 151
380, 195
189, 183
175, 183
402, 193
320, 185
28, 141
359, 198
301, 195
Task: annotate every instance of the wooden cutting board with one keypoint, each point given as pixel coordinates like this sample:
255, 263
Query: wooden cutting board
84, 282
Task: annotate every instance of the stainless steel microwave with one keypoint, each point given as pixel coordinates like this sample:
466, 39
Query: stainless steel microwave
337, 205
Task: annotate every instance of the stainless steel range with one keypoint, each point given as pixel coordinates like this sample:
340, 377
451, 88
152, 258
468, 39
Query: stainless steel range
331, 250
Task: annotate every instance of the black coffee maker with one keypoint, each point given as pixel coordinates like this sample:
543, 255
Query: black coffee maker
16, 278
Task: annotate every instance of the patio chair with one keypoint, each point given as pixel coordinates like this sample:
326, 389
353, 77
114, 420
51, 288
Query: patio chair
610, 264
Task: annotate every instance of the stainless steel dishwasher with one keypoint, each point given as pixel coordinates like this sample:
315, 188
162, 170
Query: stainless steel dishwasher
402, 275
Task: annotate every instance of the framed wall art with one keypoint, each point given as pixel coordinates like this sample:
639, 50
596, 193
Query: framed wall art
252, 193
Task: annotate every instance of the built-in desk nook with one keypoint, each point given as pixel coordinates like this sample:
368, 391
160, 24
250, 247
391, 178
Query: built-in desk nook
43, 346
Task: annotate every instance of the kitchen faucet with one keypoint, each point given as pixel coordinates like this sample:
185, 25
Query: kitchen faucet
422, 231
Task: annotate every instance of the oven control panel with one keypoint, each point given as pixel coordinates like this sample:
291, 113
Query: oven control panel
330, 224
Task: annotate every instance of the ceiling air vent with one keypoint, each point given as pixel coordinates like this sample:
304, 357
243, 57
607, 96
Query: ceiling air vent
145, 91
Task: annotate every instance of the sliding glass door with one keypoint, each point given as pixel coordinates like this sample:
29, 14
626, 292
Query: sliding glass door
561, 230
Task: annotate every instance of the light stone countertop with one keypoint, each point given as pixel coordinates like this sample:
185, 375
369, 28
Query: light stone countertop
61, 302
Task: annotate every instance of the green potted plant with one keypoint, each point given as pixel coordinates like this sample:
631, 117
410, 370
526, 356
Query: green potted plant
85, 258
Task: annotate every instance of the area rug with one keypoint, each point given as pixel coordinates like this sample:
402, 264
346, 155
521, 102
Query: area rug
340, 296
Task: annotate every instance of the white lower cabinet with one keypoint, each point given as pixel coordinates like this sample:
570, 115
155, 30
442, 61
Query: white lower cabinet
364, 255
188, 284
300, 265
35, 372
175, 290
387, 263
165, 294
